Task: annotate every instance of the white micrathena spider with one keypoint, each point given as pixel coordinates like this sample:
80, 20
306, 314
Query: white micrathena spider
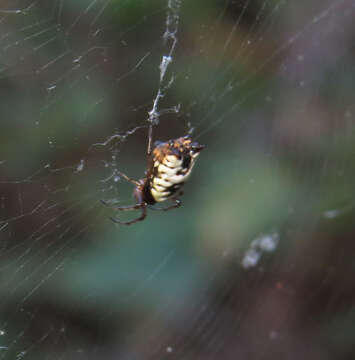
169, 166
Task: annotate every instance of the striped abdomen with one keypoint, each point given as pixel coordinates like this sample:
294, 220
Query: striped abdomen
169, 175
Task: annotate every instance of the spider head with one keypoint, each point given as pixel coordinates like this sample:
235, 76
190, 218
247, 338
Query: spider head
186, 145
180, 147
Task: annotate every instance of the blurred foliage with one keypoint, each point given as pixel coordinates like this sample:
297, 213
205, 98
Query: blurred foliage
268, 88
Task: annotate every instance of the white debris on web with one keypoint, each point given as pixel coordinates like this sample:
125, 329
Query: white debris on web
331, 214
80, 166
170, 39
263, 243
164, 65
172, 22
117, 137
169, 349
334, 213
19, 11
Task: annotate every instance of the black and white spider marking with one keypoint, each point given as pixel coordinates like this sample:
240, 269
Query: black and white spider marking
169, 166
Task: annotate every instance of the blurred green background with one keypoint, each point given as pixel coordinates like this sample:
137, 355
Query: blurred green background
258, 262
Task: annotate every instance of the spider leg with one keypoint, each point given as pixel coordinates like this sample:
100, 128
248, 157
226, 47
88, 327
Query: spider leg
139, 205
135, 182
122, 208
177, 203
143, 207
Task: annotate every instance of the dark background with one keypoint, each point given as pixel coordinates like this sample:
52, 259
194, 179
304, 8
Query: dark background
268, 87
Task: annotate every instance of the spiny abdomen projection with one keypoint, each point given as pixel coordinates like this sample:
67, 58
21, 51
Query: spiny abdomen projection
170, 174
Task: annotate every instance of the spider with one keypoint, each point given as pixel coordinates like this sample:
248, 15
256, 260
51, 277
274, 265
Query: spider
169, 166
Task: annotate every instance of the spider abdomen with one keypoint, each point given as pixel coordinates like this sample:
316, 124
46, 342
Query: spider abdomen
169, 175
165, 181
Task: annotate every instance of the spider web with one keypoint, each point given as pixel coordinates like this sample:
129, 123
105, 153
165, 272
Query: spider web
257, 263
